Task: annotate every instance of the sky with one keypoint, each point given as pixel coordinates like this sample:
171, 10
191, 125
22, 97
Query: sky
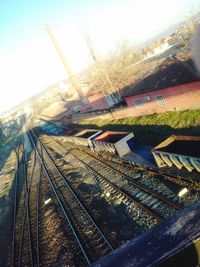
28, 60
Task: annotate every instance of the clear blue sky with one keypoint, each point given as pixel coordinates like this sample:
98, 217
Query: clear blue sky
22, 19
28, 62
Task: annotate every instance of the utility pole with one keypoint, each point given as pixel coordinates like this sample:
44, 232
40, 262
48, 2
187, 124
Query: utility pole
70, 73
94, 55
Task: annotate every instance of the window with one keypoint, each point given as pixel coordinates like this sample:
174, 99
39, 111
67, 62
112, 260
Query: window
138, 103
147, 98
160, 101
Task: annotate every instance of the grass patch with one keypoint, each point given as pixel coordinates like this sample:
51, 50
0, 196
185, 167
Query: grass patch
152, 129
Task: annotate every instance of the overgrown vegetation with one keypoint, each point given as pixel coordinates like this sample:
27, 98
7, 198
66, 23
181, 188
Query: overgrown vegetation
153, 129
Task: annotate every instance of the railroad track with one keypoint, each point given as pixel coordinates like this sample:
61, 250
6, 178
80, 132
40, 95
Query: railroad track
90, 239
138, 190
158, 182
35, 224
34, 204
131, 168
54, 243
146, 199
137, 184
17, 151
134, 170
145, 209
172, 178
26, 215
152, 189
49, 237
21, 240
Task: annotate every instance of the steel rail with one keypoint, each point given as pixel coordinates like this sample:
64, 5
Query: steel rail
130, 198
154, 214
136, 184
74, 194
33, 224
15, 205
60, 203
37, 217
27, 205
170, 177
175, 179
26, 213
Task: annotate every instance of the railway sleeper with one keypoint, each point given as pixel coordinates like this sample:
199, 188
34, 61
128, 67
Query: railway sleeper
122, 197
126, 202
143, 197
146, 201
152, 202
112, 190
137, 194
156, 205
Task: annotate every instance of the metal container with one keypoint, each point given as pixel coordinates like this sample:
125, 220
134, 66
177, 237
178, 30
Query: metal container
69, 134
179, 151
113, 142
83, 137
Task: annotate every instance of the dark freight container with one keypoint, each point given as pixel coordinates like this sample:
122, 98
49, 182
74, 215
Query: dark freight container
179, 151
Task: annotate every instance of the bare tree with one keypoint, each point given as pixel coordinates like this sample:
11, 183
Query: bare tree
115, 71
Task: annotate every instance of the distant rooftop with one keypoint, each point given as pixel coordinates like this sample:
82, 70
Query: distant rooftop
171, 75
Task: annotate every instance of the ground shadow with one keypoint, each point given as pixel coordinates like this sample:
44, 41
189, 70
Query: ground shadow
145, 134
7, 201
